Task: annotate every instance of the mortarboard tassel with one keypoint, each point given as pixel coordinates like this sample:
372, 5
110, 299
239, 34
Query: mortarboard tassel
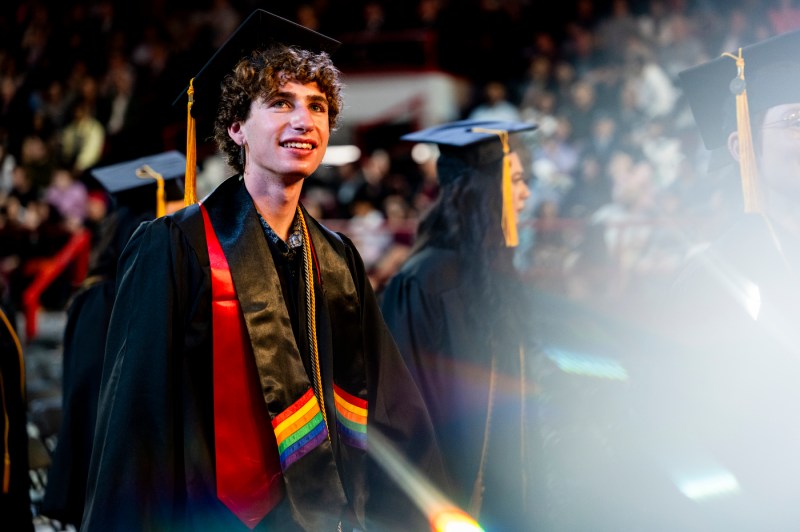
747, 157
509, 220
190, 188
161, 202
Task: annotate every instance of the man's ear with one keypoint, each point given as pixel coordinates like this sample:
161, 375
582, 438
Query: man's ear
733, 145
236, 132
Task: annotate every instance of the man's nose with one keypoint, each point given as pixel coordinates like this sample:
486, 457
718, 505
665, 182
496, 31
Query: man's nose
301, 119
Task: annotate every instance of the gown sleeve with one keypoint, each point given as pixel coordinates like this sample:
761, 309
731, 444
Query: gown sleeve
136, 462
399, 414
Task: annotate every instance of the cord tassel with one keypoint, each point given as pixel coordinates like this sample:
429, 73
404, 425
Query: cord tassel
190, 188
747, 158
161, 201
509, 216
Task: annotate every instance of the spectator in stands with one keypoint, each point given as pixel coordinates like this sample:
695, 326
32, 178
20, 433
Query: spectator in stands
68, 196
495, 104
83, 139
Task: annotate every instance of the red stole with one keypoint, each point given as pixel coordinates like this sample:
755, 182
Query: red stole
249, 478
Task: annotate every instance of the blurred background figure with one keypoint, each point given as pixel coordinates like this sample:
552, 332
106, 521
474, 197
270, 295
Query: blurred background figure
133, 200
455, 309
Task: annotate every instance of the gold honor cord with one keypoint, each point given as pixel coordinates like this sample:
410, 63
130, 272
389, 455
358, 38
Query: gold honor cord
747, 157
476, 499
509, 220
7, 454
161, 202
311, 316
190, 180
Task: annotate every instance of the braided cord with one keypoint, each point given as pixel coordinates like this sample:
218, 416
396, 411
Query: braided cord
312, 319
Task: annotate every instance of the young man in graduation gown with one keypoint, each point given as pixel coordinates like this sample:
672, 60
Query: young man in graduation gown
248, 369
458, 312
735, 307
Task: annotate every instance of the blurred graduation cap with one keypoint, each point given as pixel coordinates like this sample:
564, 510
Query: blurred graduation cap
259, 30
726, 93
144, 183
468, 144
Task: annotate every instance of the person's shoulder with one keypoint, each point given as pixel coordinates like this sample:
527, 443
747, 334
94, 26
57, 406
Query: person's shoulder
435, 268
185, 226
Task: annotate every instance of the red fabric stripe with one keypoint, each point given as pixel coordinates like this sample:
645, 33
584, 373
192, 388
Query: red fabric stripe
248, 469
352, 399
294, 408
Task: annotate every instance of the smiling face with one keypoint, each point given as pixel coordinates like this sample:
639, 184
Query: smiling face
286, 135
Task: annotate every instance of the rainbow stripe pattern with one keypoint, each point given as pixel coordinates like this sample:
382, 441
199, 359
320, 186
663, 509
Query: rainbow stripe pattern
299, 429
351, 418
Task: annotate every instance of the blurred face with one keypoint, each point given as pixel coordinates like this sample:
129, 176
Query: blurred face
519, 186
285, 137
780, 149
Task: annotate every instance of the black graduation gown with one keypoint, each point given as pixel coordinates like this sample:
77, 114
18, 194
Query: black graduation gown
734, 311
15, 500
425, 307
152, 465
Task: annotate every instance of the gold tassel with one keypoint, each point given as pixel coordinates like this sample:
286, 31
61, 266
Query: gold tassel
161, 201
747, 157
190, 179
509, 219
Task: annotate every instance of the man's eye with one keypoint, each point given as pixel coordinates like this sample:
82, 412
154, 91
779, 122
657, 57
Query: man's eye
318, 107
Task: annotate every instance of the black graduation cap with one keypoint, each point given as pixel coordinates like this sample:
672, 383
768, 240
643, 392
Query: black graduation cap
149, 180
473, 144
772, 77
259, 30
726, 93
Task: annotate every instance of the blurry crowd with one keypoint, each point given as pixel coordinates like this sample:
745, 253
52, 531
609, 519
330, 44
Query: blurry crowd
621, 192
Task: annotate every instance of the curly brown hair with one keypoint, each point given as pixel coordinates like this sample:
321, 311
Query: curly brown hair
261, 75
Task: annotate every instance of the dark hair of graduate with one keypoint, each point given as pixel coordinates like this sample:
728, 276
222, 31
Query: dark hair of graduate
261, 75
466, 217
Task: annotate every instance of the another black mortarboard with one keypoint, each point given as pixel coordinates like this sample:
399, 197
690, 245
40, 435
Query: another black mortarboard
473, 144
136, 178
725, 93
772, 77
259, 30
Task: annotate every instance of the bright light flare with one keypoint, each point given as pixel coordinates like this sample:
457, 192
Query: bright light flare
454, 520
587, 365
443, 515
711, 486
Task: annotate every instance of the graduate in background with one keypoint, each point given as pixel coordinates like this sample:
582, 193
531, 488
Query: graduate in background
136, 196
248, 369
736, 305
15, 484
457, 311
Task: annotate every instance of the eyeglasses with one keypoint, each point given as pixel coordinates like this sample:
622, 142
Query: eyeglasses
791, 122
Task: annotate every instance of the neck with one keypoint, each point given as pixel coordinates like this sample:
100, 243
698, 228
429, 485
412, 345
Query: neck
275, 201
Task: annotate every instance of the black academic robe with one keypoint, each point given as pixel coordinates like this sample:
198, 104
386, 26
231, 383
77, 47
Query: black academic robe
15, 500
153, 462
734, 313
426, 306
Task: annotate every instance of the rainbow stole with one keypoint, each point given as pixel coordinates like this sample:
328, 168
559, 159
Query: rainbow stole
299, 429
351, 418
